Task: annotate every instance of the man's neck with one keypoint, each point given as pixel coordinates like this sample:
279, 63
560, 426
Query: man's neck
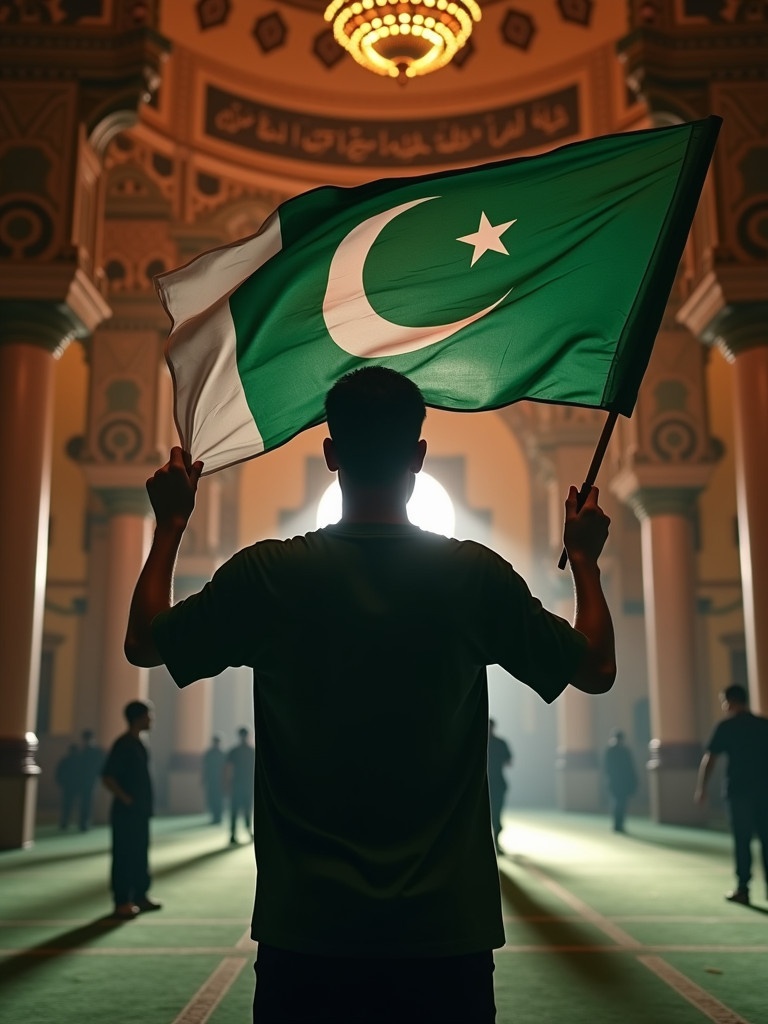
385, 504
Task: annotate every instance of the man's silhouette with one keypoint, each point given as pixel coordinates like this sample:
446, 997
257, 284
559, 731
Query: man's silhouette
620, 777
68, 780
743, 737
378, 891
91, 762
241, 762
499, 758
214, 760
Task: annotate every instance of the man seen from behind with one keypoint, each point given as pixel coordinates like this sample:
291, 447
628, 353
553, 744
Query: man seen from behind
378, 892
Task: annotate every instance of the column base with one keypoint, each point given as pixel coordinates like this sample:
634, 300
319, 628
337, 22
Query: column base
18, 793
578, 781
672, 773
185, 788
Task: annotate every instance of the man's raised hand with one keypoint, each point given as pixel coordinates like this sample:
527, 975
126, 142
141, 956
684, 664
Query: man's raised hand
173, 487
586, 528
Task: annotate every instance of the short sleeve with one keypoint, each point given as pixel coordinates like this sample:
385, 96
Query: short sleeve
718, 740
537, 647
206, 633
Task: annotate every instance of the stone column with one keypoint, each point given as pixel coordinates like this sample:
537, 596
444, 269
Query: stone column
743, 338
128, 538
669, 590
26, 391
194, 704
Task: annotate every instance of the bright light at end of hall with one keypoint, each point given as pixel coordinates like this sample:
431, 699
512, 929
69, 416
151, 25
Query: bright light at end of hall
430, 506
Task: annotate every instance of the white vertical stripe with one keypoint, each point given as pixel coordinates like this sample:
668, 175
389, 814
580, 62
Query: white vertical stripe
214, 420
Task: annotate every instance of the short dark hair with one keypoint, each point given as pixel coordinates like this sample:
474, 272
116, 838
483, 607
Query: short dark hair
374, 417
736, 694
136, 709
243, 731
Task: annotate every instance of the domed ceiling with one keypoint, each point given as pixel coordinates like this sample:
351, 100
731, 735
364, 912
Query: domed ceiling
265, 85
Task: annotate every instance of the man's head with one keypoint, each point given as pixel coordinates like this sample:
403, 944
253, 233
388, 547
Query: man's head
243, 734
138, 714
734, 697
374, 417
216, 740
618, 735
86, 735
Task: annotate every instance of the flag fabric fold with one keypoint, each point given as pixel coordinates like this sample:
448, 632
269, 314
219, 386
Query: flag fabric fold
540, 278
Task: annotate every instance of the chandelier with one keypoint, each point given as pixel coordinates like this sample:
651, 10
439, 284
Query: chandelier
402, 38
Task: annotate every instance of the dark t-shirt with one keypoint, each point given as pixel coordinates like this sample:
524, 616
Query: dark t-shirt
743, 737
619, 769
242, 760
128, 763
369, 645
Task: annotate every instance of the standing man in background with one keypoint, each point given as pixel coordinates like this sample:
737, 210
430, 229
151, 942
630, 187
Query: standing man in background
91, 761
126, 776
213, 779
499, 758
241, 761
620, 777
743, 738
68, 781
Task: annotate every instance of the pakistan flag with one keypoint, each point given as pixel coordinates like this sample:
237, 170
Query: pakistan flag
542, 278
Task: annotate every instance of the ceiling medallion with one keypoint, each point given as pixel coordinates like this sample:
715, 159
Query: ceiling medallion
402, 38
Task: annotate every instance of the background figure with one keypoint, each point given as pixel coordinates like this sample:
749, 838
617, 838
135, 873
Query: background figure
743, 738
242, 765
620, 777
499, 758
126, 776
68, 781
91, 761
213, 779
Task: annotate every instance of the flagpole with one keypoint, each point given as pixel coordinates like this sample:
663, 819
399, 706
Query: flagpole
594, 466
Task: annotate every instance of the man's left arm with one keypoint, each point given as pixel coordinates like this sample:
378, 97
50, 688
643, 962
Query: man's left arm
172, 494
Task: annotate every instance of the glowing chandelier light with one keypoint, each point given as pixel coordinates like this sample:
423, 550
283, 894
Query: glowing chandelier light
402, 38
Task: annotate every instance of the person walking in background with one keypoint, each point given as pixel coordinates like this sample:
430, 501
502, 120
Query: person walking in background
68, 780
620, 777
743, 737
213, 779
91, 762
126, 775
499, 758
241, 761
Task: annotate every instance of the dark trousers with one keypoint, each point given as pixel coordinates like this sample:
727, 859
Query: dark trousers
68, 798
86, 806
619, 808
496, 792
749, 818
130, 855
294, 988
240, 803
214, 798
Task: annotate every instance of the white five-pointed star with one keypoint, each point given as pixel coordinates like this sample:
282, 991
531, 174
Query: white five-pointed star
487, 236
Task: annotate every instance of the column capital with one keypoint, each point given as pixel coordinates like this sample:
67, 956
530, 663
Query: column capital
661, 490
48, 325
125, 501
738, 328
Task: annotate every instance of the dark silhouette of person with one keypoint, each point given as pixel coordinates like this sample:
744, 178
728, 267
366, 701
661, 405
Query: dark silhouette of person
68, 780
241, 762
620, 777
377, 893
499, 758
213, 779
91, 762
743, 738
126, 775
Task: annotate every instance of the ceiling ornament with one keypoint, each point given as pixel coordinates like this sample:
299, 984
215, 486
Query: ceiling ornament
402, 38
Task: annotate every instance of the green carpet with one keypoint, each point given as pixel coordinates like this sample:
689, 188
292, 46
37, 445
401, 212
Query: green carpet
600, 929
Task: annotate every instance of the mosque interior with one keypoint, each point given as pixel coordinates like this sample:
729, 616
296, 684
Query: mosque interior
136, 135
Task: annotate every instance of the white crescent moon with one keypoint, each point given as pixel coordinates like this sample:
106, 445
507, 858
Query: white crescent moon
351, 320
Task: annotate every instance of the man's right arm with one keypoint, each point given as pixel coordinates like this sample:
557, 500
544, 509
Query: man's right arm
586, 531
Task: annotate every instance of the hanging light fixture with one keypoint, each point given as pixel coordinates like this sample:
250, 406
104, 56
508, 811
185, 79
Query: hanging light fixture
402, 38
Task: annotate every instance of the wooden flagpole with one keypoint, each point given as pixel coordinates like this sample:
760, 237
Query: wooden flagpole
594, 466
